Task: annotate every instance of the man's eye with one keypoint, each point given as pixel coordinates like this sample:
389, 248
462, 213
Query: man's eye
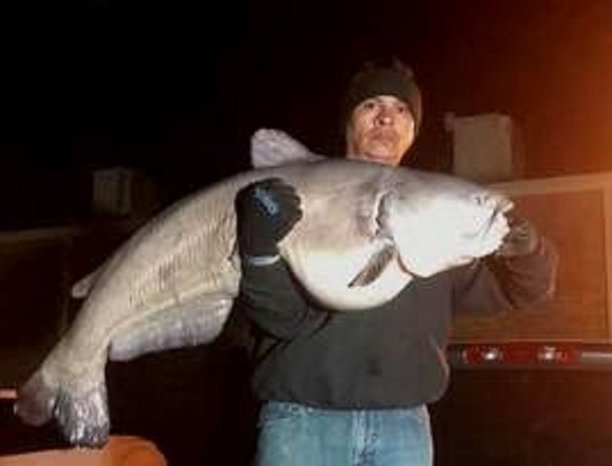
402, 109
369, 105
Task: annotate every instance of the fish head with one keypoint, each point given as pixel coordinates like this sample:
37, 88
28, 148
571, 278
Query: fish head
438, 222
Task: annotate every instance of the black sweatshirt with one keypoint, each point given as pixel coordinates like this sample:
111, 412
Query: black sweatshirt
389, 357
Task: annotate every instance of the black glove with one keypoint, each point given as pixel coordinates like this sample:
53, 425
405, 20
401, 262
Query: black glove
522, 238
265, 212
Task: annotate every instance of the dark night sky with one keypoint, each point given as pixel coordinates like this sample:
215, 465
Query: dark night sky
176, 90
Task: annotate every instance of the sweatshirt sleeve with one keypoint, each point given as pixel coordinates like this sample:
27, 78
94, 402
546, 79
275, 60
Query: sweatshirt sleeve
502, 284
274, 301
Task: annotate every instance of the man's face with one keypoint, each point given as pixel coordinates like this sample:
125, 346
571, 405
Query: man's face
381, 129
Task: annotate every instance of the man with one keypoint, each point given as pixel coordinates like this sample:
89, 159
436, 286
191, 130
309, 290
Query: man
383, 113
352, 388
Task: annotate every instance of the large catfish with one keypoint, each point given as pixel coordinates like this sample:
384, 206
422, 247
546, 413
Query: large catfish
367, 230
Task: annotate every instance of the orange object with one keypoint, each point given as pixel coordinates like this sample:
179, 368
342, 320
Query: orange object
119, 451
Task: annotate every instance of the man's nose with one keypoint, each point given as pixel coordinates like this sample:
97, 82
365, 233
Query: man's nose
384, 117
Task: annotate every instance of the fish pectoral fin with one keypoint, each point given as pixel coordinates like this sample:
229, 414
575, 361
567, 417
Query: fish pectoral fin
193, 322
375, 266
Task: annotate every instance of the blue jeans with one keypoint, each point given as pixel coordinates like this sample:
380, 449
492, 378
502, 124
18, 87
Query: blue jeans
296, 435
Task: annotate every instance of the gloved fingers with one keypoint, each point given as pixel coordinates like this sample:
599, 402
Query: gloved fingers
520, 227
287, 203
269, 193
282, 191
266, 211
522, 237
292, 218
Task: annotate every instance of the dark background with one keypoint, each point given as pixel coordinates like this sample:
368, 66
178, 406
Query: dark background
176, 89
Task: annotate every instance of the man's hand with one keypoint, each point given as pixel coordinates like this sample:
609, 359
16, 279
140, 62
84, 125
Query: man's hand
522, 238
266, 212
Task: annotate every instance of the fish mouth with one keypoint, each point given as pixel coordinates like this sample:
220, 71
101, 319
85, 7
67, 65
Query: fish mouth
494, 218
489, 235
496, 227
500, 208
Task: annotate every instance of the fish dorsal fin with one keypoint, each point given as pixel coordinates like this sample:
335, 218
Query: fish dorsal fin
272, 147
375, 266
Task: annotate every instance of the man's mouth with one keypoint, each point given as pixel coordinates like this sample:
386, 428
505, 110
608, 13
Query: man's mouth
383, 136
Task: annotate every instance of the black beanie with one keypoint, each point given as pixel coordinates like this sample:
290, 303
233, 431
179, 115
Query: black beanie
396, 80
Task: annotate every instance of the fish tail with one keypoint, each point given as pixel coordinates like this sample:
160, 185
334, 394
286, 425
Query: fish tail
36, 400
